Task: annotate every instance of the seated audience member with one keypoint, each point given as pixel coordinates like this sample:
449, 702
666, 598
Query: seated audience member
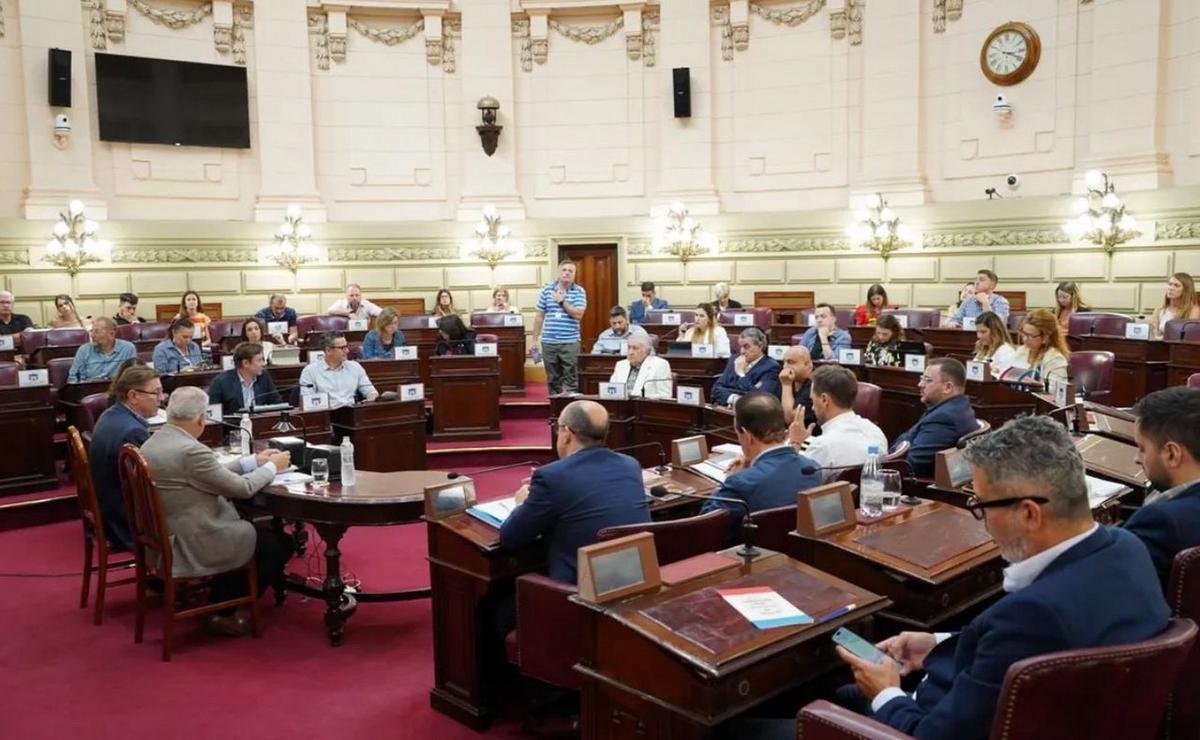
100, 357
884, 347
948, 414
190, 307
1067, 303
454, 337
1179, 302
336, 375
500, 301
751, 370
380, 342
276, 312
866, 314
770, 471
648, 301
993, 342
845, 436
981, 297
824, 339
353, 306
723, 301
706, 330
137, 393
208, 536
1044, 347
619, 331
642, 372
568, 501
1167, 432
66, 316
177, 352
443, 304
795, 381
127, 310
246, 385
253, 331
963, 293
1072, 584
12, 323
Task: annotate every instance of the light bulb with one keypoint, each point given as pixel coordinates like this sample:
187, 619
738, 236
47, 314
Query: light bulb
489, 211
860, 214
293, 212
1110, 200
887, 214
503, 231
689, 224
304, 231
1079, 205
75, 207
1094, 179
53, 247
61, 229
1128, 223
286, 229
882, 232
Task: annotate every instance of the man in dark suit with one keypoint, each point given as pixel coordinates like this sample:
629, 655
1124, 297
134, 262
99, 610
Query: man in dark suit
588, 488
138, 393
770, 471
750, 370
948, 417
246, 384
1167, 433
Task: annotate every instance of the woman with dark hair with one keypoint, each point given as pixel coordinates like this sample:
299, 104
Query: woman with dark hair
190, 307
253, 331
884, 347
1068, 302
68, 316
455, 337
868, 313
443, 304
993, 342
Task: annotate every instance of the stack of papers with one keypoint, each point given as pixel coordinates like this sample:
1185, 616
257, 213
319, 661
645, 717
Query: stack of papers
495, 512
717, 467
1100, 490
292, 476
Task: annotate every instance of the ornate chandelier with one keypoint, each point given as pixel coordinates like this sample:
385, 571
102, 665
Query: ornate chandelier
492, 242
878, 227
292, 246
680, 235
1101, 218
73, 242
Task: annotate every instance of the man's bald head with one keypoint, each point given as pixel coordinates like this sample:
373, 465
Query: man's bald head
587, 421
799, 360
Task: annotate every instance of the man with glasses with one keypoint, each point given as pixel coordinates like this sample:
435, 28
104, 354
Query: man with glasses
336, 375
138, 394
101, 357
1071, 585
948, 417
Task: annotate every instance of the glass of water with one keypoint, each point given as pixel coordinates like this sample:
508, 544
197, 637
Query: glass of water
320, 472
893, 488
234, 443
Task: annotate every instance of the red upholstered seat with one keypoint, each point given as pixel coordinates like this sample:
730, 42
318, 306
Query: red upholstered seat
488, 318
773, 526
1098, 323
486, 338
1092, 373
762, 317
1194, 380
548, 655
67, 337
1015, 319
918, 318
218, 330
92, 405
154, 330
1183, 594
655, 315
8, 373
867, 402
32, 340
983, 428
1190, 331
129, 332
1110, 692
321, 322
678, 539
60, 368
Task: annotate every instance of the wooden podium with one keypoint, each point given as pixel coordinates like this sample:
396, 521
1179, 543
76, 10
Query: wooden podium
387, 435
27, 428
510, 346
466, 396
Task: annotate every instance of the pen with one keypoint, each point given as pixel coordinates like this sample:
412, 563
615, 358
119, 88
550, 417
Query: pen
837, 613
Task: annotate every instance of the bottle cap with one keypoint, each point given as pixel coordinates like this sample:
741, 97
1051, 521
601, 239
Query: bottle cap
872, 449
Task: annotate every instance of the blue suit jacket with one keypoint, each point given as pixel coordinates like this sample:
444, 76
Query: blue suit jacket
1166, 527
939, 428
764, 376
1100, 592
226, 389
839, 339
572, 499
115, 427
771, 481
637, 311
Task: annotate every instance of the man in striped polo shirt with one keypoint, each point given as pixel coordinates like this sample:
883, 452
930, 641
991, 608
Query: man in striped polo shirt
559, 309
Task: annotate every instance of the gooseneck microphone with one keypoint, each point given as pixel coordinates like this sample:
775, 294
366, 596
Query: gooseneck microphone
523, 463
662, 454
747, 551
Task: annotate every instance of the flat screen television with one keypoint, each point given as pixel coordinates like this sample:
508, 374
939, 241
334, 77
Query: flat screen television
162, 101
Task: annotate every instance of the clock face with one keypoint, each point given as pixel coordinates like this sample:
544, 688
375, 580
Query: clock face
1006, 52
1010, 53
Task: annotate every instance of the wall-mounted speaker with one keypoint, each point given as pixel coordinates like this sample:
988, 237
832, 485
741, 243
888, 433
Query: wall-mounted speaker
60, 78
681, 77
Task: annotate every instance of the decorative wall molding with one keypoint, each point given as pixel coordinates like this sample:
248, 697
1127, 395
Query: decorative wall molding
766, 245
14, 257
329, 29
945, 10
1177, 230
995, 238
847, 22
230, 21
1, 19
640, 29
734, 20
178, 256
391, 254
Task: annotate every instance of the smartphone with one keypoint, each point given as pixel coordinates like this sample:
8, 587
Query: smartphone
859, 646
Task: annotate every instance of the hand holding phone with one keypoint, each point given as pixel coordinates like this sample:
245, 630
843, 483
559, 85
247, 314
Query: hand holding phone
859, 646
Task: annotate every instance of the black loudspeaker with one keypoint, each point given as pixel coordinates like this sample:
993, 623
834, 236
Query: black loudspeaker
683, 92
60, 78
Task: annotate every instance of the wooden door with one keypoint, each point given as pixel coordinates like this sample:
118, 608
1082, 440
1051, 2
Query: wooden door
596, 272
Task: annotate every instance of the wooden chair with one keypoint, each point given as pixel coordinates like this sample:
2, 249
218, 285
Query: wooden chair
982, 427
153, 557
679, 539
93, 530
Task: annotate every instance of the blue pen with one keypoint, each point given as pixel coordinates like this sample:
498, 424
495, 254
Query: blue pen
837, 613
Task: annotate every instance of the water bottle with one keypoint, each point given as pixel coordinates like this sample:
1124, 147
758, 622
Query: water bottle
347, 461
247, 432
870, 486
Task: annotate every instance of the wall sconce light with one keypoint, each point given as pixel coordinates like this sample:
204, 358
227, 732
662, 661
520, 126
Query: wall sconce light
489, 132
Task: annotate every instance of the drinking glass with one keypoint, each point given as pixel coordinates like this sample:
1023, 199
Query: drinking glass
233, 442
320, 472
892, 488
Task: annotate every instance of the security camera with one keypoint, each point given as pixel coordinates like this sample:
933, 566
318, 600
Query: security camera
1001, 107
62, 124
1013, 181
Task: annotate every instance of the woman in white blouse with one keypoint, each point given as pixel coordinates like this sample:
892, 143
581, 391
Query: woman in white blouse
706, 330
993, 342
1044, 348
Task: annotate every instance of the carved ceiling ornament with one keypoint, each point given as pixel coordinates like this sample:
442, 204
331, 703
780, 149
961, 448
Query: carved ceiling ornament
845, 20
107, 21
533, 33
1, 19
946, 10
330, 26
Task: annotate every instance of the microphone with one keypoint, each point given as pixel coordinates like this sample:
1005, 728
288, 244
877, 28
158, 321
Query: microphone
654, 380
662, 454
279, 406
811, 469
747, 551
523, 463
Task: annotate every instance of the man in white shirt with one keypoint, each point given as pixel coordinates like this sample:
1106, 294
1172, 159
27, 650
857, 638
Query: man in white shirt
845, 436
643, 373
354, 306
334, 374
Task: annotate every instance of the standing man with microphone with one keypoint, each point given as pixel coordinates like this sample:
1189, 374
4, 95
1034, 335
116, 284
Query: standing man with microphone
643, 373
560, 308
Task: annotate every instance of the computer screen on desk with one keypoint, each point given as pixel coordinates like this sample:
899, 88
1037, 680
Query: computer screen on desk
689, 450
617, 570
827, 510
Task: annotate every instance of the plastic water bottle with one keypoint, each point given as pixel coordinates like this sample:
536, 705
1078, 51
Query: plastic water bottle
870, 486
347, 461
247, 433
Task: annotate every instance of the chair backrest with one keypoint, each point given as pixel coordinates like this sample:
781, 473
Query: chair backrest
218, 330
918, 318
486, 338
154, 329
148, 520
8, 373
81, 471
762, 317
72, 337
60, 369
488, 318
845, 317
1115, 691
982, 427
129, 332
321, 322
32, 340
1087, 323
1190, 331
677, 539
1183, 594
1092, 372
867, 402
655, 315
92, 405
1193, 380
774, 526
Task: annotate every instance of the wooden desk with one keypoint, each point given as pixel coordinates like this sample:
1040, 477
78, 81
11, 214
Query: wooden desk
42, 356
1112, 459
198, 378
314, 339
27, 428
1184, 362
958, 343
387, 435
510, 346
595, 369
676, 663
1140, 367
933, 561
466, 397
71, 395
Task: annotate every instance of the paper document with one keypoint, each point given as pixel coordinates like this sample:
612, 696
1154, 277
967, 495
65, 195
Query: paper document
717, 467
495, 512
728, 448
292, 476
1100, 490
650, 476
764, 607
159, 418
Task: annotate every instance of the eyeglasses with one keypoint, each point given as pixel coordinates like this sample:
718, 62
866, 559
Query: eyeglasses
1027, 335
342, 347
977, 507
157, 393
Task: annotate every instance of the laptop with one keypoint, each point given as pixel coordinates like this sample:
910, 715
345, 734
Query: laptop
910, 348
285, 356
679, 348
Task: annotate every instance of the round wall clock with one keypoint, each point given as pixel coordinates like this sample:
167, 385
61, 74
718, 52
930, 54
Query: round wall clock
1010, 53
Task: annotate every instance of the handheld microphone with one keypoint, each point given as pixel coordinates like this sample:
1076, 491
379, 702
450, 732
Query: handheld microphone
747, 551
662, 454
523, 463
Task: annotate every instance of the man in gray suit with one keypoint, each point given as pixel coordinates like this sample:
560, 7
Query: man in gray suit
207, 535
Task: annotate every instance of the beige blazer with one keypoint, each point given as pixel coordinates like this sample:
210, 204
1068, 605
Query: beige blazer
207, 535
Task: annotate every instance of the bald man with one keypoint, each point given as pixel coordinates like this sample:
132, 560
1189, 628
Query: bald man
796, 380
588, 488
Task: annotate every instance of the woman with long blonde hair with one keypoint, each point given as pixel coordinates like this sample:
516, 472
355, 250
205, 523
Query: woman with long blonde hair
67, 316
1044, 346
1179, 302
993, 343
1067, 302
706, 330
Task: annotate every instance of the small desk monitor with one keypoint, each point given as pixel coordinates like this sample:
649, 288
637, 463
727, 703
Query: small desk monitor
825, 509
951, 469
446, 499
689, 450
619, 568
